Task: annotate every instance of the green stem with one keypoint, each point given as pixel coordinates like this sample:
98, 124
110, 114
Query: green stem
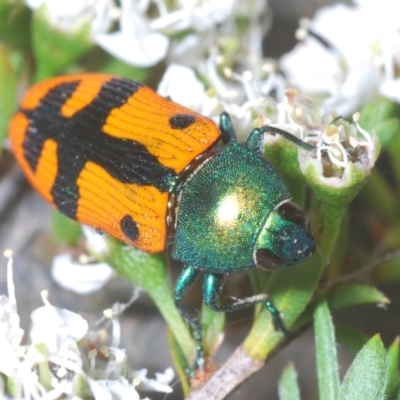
331, 220
148, 271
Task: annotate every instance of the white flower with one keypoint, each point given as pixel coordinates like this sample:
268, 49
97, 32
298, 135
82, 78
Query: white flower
78, 276
10, 331
348, 54
54, 366
83, 275
160, 384
181, 85
69, 16
119, 389
59, 329
135, 43
183, 31
241, 95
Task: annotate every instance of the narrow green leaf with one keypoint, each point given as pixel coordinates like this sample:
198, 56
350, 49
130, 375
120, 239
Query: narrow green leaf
288, 387
375, 114
180, 362
15, 19
343, 297
283, 156
8, 92
394, 158
148, 271
327, 366
366, 378
393, 366
353, 339
385, 203
53, 48
290, 290
351, 295
387, 130
213, 324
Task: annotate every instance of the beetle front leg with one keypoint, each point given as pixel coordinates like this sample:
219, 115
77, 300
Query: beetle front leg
185, 281
212, 286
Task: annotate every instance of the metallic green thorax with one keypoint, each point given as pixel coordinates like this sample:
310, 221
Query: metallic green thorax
223, 208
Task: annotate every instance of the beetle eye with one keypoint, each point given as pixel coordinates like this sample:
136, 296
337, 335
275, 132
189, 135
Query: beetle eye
267, 260
292, 212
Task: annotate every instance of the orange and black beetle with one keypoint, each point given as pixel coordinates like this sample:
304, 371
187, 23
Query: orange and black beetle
111, 153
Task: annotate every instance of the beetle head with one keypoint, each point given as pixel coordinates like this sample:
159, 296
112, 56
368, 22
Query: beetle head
285, 238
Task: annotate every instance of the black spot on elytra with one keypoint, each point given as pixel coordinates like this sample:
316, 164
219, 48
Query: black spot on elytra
181, 121
129, 227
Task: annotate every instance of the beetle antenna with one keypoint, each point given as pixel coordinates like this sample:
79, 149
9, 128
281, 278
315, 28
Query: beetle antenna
289, 136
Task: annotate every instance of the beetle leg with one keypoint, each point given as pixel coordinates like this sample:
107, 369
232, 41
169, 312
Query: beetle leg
226, 127
185, 281
212, 286
255, 141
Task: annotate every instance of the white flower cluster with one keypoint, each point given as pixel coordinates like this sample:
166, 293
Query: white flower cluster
54, 363
149, 31
347, 55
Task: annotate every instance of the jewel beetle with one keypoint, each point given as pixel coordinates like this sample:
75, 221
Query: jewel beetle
111, 153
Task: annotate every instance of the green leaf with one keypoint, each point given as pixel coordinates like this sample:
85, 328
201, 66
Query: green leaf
351, 295
55, 49
393, 151
213, 323
353, 339
366, 378
148, 271
290, 290
393, 366
327, 365
387, 130
15, 18
382, 116
8, 92
282, 154
343, 297
66, 230
385, 203
118, 67
180, 362
288, 387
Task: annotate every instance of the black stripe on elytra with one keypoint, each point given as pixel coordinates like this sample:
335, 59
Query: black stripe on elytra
130, 228
80, 139
181, 121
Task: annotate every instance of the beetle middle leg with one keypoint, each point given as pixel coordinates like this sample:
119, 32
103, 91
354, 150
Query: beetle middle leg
212, 286
185, 281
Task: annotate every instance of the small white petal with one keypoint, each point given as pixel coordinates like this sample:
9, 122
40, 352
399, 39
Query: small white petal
79, 278
70, 16
58, 329
143, 53
391, 90
119, 389
153, 384
183, 87
9, 360
95, 242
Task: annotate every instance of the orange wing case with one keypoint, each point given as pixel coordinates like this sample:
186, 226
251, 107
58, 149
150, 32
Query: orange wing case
108, 151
